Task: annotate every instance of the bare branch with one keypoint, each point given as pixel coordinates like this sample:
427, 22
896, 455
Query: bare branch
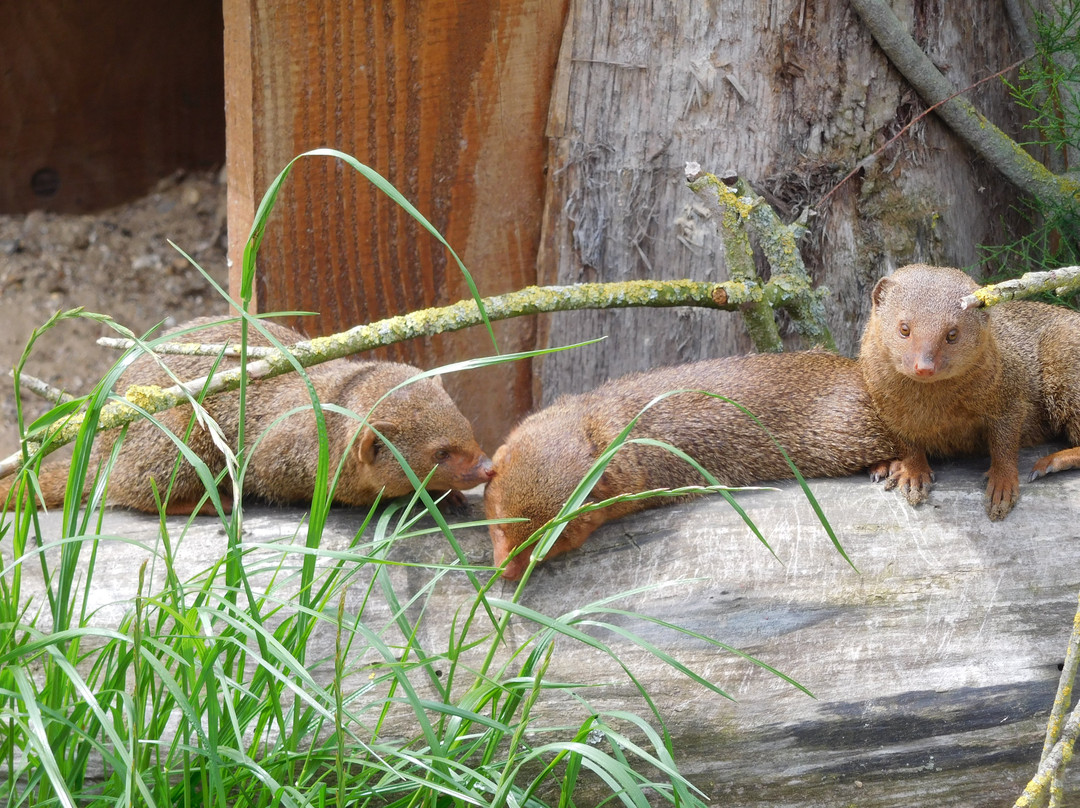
43, 389
188, 348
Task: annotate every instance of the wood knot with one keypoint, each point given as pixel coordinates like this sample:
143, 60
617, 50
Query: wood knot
720, 296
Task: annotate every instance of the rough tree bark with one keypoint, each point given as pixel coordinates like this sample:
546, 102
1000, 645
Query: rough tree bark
789, 94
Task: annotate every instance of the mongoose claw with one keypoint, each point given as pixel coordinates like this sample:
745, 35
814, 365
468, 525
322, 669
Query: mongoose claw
880, 471
998, 510
1002, 492
1058, 461
915, 494
913, 484
915, 490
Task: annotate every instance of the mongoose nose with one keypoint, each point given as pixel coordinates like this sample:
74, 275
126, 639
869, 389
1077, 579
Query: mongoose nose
925, 366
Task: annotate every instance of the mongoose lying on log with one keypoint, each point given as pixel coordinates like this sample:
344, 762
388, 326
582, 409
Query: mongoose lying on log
420, 420
951, 381
814, 403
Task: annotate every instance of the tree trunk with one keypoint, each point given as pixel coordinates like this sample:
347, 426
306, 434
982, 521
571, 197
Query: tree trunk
790, 94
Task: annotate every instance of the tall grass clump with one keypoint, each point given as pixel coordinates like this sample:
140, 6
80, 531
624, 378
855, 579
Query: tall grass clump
298, 672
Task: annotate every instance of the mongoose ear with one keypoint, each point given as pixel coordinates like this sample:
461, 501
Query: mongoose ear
595, 434
603, 488
879, 290
368, 443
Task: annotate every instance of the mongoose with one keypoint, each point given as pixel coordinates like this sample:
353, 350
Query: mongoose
420, 420
951, 381
814, 403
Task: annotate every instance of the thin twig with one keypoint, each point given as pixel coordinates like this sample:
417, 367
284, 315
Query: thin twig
189, 348
43, 389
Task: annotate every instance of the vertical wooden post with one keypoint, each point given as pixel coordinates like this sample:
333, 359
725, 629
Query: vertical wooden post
447, 99
240, 130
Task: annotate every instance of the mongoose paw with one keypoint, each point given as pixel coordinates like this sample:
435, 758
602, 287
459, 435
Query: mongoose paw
880, 471
892, 474
916, 492
453, 500
913, 483
187, 507
998, 510
1002, 492
1058, 461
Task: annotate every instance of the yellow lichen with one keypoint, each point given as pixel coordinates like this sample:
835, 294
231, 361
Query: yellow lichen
144, 396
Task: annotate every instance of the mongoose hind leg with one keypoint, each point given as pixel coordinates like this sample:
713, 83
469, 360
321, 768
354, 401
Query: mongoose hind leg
179, 504
1057, 461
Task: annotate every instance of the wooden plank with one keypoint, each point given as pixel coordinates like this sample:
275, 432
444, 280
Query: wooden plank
101, 100
447, 101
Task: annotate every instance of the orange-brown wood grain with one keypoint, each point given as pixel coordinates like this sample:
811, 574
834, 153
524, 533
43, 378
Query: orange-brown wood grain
447, 99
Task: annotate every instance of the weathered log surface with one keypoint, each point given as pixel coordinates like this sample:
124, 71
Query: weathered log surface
934, 666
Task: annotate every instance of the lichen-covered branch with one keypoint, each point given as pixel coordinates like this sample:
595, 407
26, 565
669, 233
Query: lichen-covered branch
1063, 281
1062, 700
1036, 790
731, 210
960, 115
739, 211
790, 285
532, 300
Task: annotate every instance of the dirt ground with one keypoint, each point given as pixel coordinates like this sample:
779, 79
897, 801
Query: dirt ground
117, 262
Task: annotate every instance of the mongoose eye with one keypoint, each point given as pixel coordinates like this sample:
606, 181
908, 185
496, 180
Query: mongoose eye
952, 336
441, 455
905, 330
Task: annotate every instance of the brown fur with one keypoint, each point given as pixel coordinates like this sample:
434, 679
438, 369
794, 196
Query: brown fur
970, 381
420, 420
814, 403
